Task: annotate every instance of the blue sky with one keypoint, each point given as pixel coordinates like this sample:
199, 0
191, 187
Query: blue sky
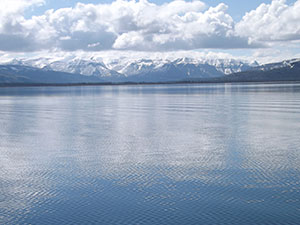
270, 32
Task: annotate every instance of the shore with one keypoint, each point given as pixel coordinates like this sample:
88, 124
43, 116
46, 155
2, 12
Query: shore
142, 83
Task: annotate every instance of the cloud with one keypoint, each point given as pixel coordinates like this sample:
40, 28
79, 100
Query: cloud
144, 26
191, 29
14, 7
124, 25
271, 23
13, 35
11, 14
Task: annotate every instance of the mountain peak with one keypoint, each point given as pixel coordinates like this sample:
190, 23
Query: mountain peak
123, 68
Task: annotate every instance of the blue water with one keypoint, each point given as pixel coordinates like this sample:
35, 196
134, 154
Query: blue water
165, 154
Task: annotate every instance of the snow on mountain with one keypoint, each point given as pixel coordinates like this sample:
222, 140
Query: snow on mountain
288, 70
83, 67
159, 70
144, 70
228, 66
156, 69
271, 66
72, 65
141, 66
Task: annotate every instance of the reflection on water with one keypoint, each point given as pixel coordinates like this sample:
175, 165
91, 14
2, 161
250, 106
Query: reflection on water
166, 154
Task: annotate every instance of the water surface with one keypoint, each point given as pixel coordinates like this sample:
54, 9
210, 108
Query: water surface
165, 154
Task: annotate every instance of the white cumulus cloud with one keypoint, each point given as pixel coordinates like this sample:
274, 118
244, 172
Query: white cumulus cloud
144, 26
124, 25
271, 22
13, 35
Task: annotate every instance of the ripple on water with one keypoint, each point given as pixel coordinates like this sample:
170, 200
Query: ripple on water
210, 154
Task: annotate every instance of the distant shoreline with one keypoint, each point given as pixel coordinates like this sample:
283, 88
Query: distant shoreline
142, 83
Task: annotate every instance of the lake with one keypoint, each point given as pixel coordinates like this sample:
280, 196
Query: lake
150, 154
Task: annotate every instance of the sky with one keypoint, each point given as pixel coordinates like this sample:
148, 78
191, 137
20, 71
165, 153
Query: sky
237, 8
261, 30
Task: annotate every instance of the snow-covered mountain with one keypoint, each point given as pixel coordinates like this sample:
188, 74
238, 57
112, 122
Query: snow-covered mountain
271, 66
141, 70
156, 70
48, 71
167, 70
73, 65
141, 66
83, 67
229, 66
288, 70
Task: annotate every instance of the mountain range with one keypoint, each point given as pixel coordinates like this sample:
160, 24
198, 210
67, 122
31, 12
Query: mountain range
77, 70
288, 70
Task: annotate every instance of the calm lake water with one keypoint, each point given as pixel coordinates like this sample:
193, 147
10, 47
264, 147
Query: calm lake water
165, 154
